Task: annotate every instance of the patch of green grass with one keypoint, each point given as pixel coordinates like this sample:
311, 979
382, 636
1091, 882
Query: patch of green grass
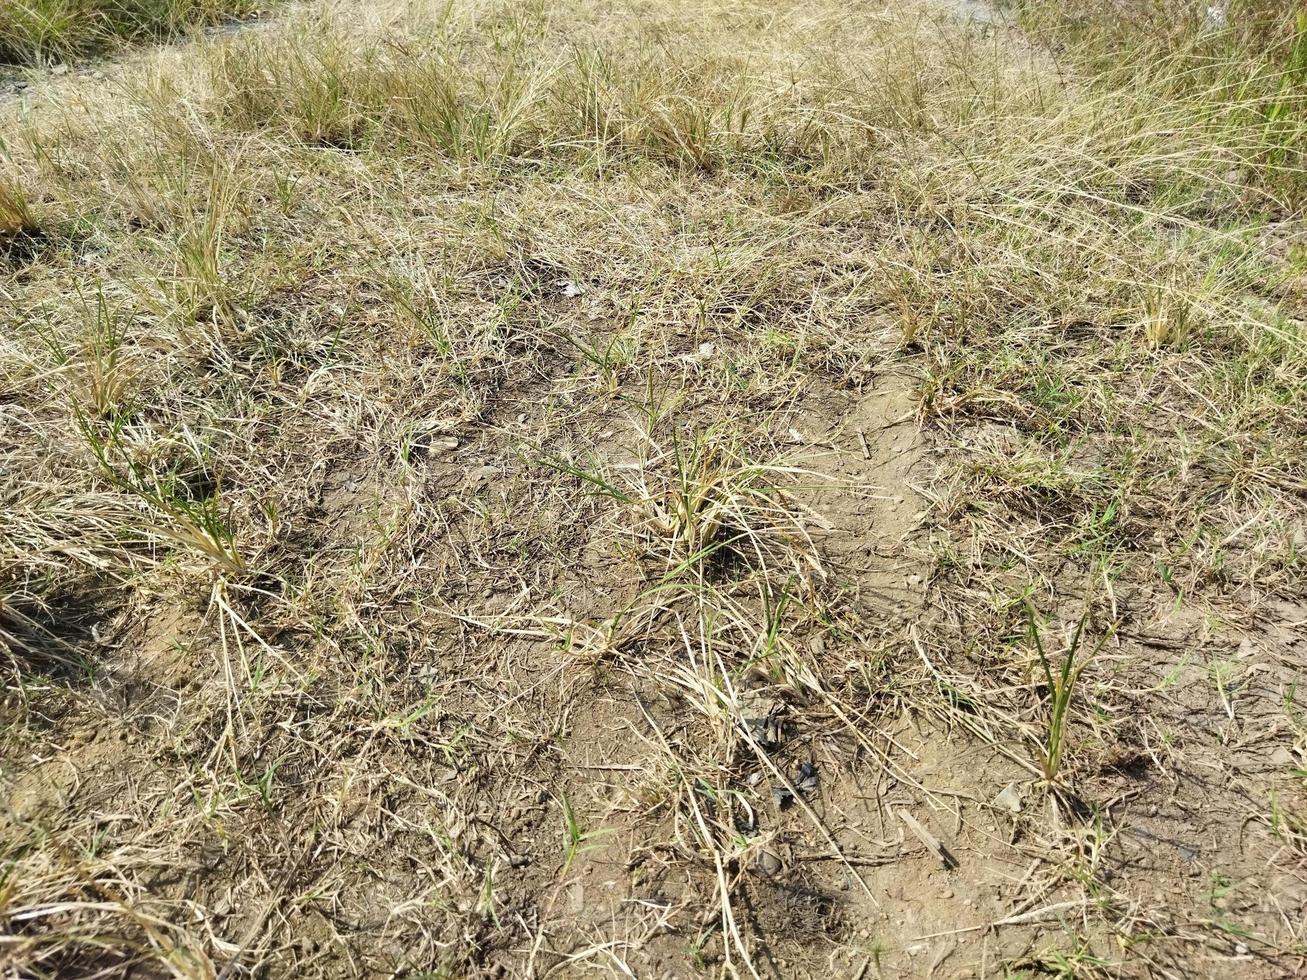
1060, 679
36, 31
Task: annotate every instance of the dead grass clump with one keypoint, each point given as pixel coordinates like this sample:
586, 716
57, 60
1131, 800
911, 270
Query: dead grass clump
696, 494
1247, 59
20, 235
76, 913
15, 214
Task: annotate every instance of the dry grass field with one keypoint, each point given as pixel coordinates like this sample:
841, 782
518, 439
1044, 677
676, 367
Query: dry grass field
653, 488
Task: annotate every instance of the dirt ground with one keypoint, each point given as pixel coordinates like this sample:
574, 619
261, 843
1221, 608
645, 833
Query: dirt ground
674, 621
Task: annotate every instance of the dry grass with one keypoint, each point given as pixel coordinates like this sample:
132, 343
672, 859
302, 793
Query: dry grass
444, 530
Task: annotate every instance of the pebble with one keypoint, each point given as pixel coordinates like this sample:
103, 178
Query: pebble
1009, 798
482, 475
766, 863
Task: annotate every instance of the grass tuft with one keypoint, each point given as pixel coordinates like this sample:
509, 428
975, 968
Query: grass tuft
37, 31
15, 213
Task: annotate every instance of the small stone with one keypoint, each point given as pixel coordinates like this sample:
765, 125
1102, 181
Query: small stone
703, 353
767, 863
1009, 799
762, 718
482, 475
807, 781
1240, 949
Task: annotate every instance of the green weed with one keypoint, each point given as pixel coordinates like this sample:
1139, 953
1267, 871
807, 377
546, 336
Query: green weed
1061, 679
